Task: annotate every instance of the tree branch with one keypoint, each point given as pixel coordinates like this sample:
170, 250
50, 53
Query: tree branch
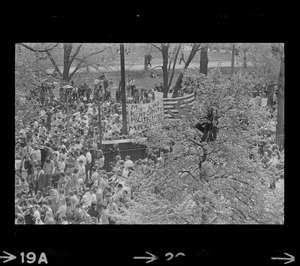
39, 51
157, 47
238, 211
53, 62
170, 62
174, 63
75, 53
198, 144
76, 69
98, 52
186, 171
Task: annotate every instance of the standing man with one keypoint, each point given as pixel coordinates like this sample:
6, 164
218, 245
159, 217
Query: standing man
181, 58
43, 153
48, 170
41, 182
88, 157
49, 118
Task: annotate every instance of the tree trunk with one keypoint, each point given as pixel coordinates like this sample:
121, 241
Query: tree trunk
176, 52
280, 105
67, 52
204, 61
232, 59
245, 59
145, 62
165, 53
187, 63
123, 95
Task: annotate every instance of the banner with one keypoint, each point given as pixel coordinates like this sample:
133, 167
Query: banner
141, 116
159, 95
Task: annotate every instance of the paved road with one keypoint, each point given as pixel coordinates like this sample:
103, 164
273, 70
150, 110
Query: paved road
129, 66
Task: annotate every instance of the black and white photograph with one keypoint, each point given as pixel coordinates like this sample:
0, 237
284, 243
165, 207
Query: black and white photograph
149, 133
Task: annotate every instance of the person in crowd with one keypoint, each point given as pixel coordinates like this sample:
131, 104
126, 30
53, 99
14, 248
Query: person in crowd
88, 164
40, 180
273, 161
48, 170
61, 165
81, 171
128, 163
55, 177
265, 159
100, 159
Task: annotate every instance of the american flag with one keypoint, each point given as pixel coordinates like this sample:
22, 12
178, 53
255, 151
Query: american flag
173, 105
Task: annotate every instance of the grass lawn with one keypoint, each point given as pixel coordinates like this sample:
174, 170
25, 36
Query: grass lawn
142, 78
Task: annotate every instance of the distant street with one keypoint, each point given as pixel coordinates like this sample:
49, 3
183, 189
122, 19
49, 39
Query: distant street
130, 66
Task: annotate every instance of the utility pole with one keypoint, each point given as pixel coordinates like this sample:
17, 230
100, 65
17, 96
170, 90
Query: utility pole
99, 117
232, 59
123, 96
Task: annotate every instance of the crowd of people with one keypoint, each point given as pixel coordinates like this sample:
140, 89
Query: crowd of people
67, 185
60, 175
60, 172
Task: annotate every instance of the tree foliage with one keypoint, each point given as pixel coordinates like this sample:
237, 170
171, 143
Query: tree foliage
29, 74
237, 191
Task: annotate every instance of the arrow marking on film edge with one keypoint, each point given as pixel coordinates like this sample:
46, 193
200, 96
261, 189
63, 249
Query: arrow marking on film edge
152, 258
289, 260
8, 258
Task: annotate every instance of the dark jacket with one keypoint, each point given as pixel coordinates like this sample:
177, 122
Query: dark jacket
93, 213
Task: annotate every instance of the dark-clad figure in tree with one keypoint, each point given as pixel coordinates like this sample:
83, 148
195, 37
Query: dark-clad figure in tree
209, 128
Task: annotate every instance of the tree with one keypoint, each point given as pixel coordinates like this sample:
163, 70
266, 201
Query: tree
180, 191
195, 48
79, 58
232, 59
29, 74
170, 54
204, 60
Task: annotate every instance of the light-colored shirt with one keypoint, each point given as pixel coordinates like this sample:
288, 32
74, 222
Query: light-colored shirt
128, 163
81, 170
95, 177
88, 157
91, 197
83, 158
61, 166
74, 199
37, 155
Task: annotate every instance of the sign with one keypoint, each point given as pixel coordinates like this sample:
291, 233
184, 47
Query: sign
141, 116
159, 95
